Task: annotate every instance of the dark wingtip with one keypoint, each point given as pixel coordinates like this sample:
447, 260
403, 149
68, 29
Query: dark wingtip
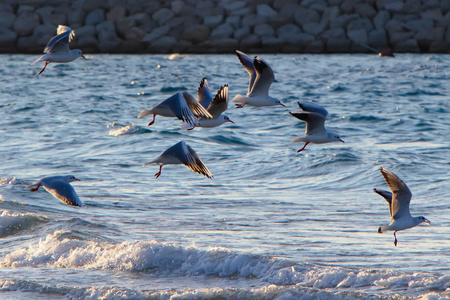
379, 230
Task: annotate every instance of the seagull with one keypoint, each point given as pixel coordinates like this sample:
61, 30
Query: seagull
57, 49
181, 105
261, 77
314, 115
215, 106
398, 200
60, 188
181, 153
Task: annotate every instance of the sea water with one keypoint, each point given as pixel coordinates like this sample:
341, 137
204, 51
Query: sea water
271, 224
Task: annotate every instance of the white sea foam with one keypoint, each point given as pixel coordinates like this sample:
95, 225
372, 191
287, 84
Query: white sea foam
128, 129
165, 259
12, 223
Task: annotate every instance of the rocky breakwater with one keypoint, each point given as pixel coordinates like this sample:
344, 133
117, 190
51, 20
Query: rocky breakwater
213, 26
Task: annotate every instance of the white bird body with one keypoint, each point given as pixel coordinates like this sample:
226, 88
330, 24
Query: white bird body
60, 188
399, 201
314, 116
215, 106
57, 49
180, 105
261, 78
181, 153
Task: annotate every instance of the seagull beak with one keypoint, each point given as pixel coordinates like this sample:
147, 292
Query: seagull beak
342, 141
76, 179
282, 105
427, 222
83, 56
230, 121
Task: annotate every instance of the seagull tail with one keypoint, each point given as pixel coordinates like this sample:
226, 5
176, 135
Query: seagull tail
37, 60
144, 113
298, 139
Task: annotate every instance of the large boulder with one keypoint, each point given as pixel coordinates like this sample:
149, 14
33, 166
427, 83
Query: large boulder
95, 17
196, 33
222, 31
25, 23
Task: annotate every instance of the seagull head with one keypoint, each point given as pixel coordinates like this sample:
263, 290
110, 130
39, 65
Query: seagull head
337, 138
423, 220
70, 178
277, 102
226, 119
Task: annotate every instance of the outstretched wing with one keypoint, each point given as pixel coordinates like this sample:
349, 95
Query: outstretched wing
196, 107
247, 62
401, 195
60, 43
64, 192
264, 77
387, 196
219, 103
312, 107
315, 123
194, 163
204, 95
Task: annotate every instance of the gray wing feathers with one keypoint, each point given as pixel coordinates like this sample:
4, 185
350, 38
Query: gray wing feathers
196, 108
247, 62
314, 122
59, 43
195, 164
401, 195
65, 193
387, 196
204, 95
220, 102
312, 107
264, 77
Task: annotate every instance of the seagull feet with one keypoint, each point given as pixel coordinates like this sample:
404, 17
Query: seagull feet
36, 188
240, 105
303, 147
153, 121
395, 241
191, 128
159, 173
46, 63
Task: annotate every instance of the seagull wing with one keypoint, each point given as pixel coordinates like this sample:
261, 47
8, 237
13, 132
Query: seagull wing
387, 196
196, 107
194, 162
177, 104
204, 95
315, 123
247, 62
264, 77
63, 191
312, 107
219, 103
401, 195
60, 43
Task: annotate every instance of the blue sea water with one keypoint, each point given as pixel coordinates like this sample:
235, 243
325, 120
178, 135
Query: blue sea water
271, 224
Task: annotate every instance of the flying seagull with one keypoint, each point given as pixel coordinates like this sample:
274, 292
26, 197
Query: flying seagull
261, 77
57, 49
314, 115
181, 153
60, 188
180, 105
215, 106
398, 200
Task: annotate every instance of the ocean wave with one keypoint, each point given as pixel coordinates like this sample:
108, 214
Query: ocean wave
128, 129
11, 223
164, 259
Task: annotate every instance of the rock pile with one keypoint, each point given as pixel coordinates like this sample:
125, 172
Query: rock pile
220, 26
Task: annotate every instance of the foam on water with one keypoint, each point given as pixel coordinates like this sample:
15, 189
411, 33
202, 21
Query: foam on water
13, 223
164, 259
